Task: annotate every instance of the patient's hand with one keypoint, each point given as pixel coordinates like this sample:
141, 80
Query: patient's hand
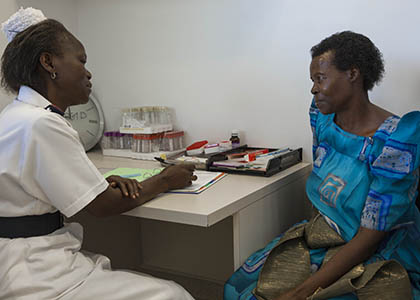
291, 295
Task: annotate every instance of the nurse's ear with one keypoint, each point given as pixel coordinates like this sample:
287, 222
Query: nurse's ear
46, 61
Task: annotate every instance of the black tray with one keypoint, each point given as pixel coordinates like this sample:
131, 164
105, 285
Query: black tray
275, 165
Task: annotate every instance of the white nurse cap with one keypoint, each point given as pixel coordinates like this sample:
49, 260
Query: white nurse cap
21, 20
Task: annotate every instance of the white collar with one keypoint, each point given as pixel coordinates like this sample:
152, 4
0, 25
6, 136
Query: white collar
32, 97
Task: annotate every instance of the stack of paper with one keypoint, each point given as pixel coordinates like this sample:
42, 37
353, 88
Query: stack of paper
204, 180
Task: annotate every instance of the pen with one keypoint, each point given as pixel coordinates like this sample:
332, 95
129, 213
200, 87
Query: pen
168, 163
273, 153
162, 161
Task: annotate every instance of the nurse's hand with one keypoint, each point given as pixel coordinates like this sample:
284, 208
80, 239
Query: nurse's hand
178, 176
129, 187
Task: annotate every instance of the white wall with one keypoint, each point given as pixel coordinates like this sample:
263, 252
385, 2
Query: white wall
61, 10
225, 64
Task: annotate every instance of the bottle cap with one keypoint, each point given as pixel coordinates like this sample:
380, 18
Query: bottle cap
235, 131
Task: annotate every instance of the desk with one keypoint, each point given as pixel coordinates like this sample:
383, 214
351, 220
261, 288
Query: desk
210, 235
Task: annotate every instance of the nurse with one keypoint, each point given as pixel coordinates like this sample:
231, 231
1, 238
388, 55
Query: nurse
45, 172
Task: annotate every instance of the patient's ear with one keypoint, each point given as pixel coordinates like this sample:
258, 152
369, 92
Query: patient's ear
353, 74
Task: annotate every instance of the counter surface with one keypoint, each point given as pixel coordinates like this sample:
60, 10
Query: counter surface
225, 198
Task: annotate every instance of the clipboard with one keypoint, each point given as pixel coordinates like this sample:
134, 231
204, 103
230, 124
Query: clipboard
204, 180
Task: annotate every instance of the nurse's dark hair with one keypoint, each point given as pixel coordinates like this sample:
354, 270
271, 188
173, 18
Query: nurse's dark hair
20, 60
354, 50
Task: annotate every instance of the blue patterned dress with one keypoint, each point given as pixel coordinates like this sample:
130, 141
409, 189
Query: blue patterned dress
358, 181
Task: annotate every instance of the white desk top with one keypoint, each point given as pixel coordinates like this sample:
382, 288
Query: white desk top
225, 198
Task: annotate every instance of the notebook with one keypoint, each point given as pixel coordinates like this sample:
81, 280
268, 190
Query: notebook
205, 179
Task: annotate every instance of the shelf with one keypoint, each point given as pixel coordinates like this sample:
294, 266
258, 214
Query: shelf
136, 155
147, 130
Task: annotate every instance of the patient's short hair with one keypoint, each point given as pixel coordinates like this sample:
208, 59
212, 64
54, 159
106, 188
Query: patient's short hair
354, 50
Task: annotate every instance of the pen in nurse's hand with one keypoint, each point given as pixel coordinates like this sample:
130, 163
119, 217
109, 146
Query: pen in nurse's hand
164, 162
171, 163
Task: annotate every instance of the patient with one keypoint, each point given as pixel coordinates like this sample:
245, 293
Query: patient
363, 241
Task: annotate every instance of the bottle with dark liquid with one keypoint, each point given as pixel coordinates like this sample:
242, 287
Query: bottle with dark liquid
235, 139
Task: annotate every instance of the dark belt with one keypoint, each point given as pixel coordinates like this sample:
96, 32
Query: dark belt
29, 226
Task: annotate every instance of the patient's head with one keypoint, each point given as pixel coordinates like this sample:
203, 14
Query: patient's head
353, 50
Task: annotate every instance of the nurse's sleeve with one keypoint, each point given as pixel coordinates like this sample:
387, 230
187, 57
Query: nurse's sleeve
395, 177
62, 173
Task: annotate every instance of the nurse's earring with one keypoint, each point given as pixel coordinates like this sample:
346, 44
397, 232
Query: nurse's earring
53, 75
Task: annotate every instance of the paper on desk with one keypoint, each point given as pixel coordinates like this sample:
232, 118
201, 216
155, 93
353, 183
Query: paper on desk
204, 180
134, 173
